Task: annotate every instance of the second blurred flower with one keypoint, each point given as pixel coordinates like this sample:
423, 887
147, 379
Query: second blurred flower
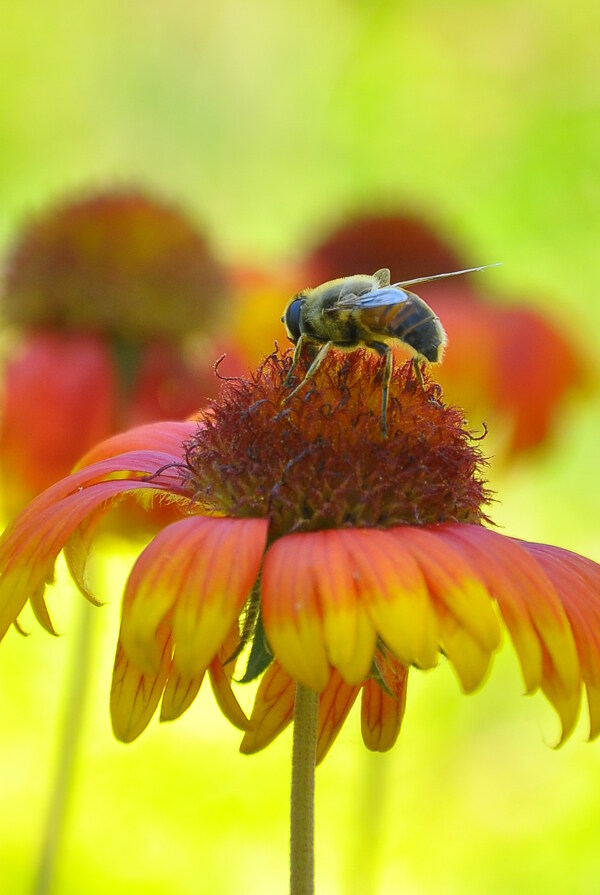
110, 300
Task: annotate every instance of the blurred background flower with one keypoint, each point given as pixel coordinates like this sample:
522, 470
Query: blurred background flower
111, 300
508, 364
270, 124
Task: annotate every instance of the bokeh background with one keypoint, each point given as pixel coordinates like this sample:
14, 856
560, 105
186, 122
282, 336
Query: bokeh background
268, 122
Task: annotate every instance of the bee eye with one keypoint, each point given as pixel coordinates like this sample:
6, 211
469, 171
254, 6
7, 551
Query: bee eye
292, 319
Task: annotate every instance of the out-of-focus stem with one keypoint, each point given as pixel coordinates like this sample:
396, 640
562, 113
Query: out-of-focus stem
68, 742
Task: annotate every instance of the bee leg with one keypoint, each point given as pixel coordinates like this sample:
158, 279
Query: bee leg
384, 350
387, 375
295, 360
311, 370
418, 372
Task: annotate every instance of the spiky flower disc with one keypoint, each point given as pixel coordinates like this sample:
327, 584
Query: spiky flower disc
320, 461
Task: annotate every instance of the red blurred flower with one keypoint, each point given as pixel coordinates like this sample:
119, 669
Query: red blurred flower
510, 362
325, 554
262, 295
103, 294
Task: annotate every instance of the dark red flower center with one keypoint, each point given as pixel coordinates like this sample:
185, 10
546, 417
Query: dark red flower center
319, 460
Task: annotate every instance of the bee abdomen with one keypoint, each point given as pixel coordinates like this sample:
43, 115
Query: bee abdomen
419, 328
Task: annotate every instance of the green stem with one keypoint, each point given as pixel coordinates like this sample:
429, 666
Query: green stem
302, 845
75, 701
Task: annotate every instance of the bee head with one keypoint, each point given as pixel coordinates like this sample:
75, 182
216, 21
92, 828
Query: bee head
291, 318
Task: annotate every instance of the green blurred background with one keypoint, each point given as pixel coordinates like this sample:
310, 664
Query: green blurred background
268, 121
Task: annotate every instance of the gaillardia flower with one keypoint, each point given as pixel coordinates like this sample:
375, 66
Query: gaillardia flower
312, 551
509, 364
110, 301
508, 360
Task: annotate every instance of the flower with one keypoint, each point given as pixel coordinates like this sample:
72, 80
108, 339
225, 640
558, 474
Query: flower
102, 294
261, 298
313, 551
508, 361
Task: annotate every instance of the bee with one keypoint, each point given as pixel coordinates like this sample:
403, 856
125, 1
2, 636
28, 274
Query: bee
364, 311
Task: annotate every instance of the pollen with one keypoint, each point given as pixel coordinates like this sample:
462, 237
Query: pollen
317, 460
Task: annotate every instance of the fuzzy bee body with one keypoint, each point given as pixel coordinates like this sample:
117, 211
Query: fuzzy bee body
364, 311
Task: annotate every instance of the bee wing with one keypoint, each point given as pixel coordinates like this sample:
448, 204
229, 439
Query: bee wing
376, 298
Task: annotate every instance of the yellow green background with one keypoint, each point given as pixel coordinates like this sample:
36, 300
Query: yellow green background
268, 121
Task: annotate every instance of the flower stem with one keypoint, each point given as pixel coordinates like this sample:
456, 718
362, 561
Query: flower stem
76, 696
302, 846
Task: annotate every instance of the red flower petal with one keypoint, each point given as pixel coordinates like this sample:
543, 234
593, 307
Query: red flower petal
272, 711
393, 589
223, 568
134, 695
381, 712
311, 609
59, 398
469, 626
518, 577
335, 703
291, 611
28, 549
199, 571
163, 437
577, 582
495, 559
179, 694
225, 697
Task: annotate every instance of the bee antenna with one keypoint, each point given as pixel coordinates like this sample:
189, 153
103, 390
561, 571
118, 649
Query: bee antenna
443, 276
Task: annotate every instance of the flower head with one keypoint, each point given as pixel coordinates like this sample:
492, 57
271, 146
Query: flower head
102, 293
314, 551
106, 263
506, 363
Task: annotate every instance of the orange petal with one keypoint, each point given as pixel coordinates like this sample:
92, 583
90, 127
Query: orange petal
311, 610
382, 713
527, 595
392, 588
179, 694
28, 549
470, 660
494, 558
538, 594
134, 695
348, 633
201, 570
566, 701
221, 686
153, 588
335, 703
40, 610
77, 551
548, 615
166, 437
220, 571
272, 711
291, 611
577, 582
453, 583
128, 467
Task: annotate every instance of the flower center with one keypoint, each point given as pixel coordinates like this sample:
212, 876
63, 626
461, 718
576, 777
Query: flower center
318, 460
116, 263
